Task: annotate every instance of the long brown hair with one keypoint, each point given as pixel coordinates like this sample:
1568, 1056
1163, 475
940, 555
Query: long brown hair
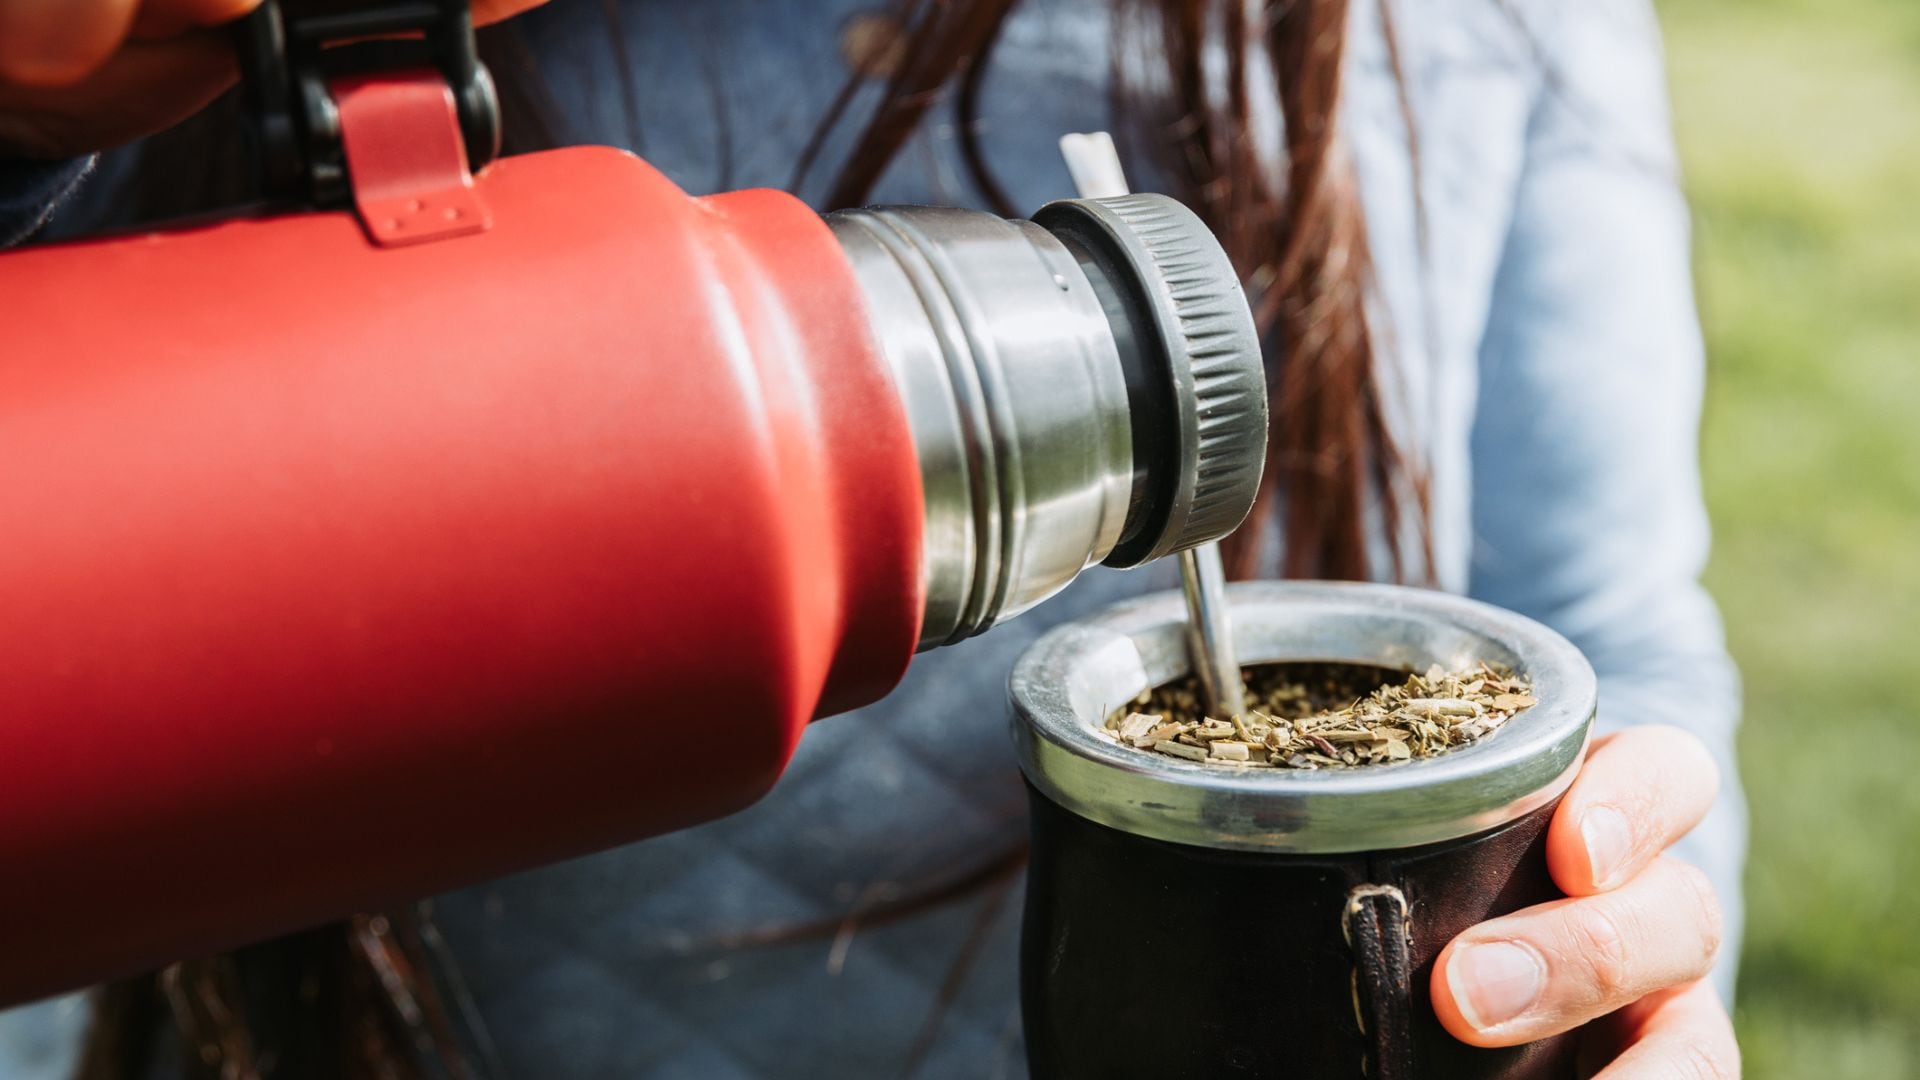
355, 999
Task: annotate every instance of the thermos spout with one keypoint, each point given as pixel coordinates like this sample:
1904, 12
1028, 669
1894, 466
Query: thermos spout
1085, 387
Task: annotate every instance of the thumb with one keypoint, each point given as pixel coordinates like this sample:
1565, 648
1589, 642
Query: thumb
491, 11
60, 42
165, 18
146, 86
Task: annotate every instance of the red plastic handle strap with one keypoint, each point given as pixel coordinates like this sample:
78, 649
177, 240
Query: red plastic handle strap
406, 159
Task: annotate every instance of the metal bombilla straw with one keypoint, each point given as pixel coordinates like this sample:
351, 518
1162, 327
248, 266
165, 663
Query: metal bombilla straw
1097, 174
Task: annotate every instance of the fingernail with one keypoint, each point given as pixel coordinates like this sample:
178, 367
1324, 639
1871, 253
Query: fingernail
1609, 841
1495, 982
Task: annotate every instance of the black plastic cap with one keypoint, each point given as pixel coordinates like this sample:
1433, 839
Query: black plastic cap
1196, 383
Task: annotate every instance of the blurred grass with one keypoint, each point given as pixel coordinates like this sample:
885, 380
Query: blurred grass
1799, 121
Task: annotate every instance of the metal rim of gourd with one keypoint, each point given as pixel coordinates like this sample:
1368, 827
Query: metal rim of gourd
1066, 684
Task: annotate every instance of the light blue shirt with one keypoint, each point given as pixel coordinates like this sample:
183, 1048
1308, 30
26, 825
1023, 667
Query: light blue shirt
1543, 357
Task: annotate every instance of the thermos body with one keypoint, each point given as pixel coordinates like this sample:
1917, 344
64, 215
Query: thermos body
336, 574
1188, 920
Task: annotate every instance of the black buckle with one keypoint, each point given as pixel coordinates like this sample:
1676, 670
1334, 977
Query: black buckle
287, 56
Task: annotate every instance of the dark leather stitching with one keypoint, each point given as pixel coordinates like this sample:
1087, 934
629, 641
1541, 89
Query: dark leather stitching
1377, 929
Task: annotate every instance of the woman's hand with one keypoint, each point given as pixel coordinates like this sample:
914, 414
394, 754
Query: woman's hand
1633, 943
83, 75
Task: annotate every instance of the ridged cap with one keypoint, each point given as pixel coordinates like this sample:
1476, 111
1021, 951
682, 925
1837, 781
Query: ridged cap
1192, 317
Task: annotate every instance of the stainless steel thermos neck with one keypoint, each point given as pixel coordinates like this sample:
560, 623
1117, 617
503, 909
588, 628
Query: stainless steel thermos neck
1084, 387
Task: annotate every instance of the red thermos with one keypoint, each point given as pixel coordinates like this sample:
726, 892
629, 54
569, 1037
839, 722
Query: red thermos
340, 565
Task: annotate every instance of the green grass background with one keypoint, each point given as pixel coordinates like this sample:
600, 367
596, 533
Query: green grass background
1799, 122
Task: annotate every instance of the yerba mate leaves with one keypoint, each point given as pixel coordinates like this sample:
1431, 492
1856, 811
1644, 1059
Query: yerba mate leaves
1318, 715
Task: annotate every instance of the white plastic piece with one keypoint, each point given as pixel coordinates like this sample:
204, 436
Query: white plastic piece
1094, 164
